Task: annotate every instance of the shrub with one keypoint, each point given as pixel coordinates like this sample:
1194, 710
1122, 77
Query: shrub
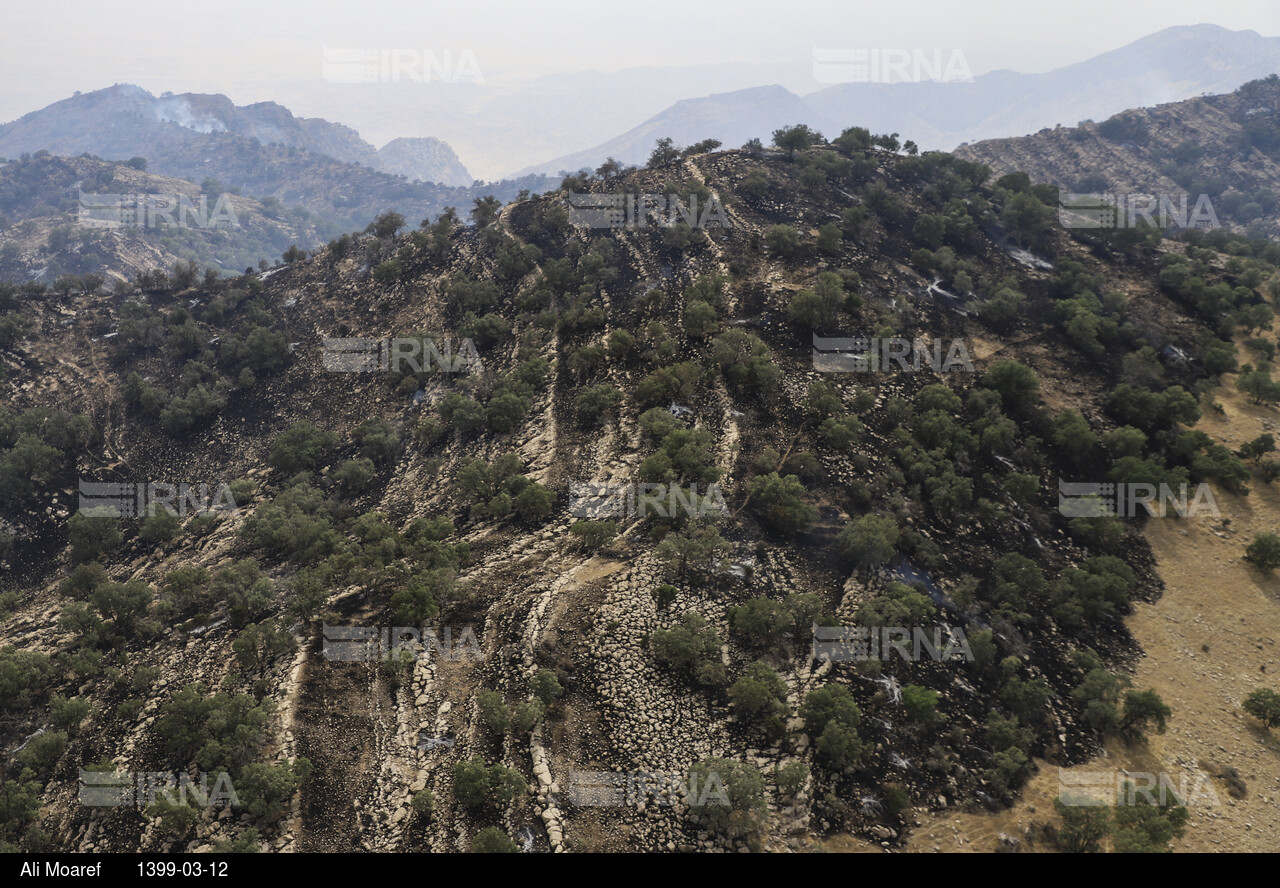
1264, 551
594, 534
546, 687
758, 693
492, 840
301, 447
218, 732
1264, 705
494, 714
779, 502
691, 646
477, 785
159, 527
921, 703
870, 541
265, 790
782, 240
92, 532
728, 795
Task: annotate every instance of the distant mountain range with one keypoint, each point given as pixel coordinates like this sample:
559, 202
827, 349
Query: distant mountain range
262, 150
1174, 64
125, 120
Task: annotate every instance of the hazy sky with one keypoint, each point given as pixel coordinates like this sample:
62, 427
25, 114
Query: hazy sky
51, 48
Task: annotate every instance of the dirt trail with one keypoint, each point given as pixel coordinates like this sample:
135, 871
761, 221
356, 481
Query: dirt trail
1208, 642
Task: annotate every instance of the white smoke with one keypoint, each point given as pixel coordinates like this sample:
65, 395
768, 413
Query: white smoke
177, 110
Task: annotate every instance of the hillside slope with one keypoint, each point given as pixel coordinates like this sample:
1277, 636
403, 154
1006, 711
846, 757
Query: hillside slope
1227, 147
672, 643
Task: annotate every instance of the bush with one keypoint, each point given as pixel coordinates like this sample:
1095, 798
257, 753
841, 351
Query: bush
492, 840
159, 527
758, 693
1264, 705
869, 541
595, 402
1016, 383
260, 643
782, 241
424, 803
594, 534
897, 605
222, 732
301, 447
42, 753
1264, 551
779, 502
124, 604
93, 532
266, 790
792, 777
24, 676
247, 593
494, 714
920, 703
692, 646
728, 795
294, 523
477, 786
546, 687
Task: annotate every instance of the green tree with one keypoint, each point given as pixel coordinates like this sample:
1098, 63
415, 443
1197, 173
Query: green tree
1264, 551
728, 795
492, 840
1085, 827
93, 532
1016, 383
796, 138
546, 687
870, 541
1264, 705
160, 526
920, 703
494, 714
486, 210
1141, 709
1144, 827
301, 447
780, 502
782, 240
265, 790
760, 692
691, 646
